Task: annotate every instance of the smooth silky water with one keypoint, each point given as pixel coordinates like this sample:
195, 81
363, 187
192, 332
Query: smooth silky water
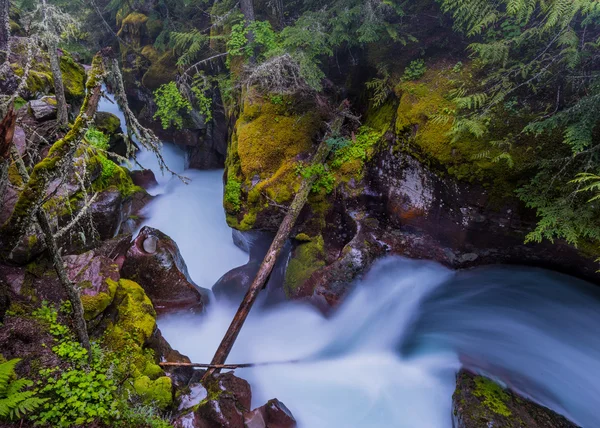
388, 356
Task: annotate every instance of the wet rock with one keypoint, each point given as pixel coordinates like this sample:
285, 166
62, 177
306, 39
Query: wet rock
144, 178
163, 352
479, 402
108, 213
222, 403
162, 273
42, 110
274, 414
110, 125
97, 277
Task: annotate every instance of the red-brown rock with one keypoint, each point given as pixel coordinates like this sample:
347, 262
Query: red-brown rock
154, 261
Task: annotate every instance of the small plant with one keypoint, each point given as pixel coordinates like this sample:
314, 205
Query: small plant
338, 143
358, 149
171, 106
233, 192
14, 402
88, 389
276, 100
325, 181
201, 89
457, 67
415, 70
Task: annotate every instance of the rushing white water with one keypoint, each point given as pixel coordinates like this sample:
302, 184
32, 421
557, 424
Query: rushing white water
389, 355
191, 214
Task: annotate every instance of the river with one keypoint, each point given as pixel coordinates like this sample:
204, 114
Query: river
388, 356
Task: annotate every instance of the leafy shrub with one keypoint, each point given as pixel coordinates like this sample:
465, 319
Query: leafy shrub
233, 191
357, 149
415, 70
15, 403
88, 390
324, 181
171, 105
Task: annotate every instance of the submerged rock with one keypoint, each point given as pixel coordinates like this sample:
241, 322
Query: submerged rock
479, 402
154, 261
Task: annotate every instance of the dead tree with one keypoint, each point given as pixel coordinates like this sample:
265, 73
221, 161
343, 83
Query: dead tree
7, 130
59, 265
268, 263
58, 159
52, 22
4, 29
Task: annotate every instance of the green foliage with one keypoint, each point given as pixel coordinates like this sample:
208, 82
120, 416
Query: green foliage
188, 45
14, 402
324, 179
338, 143
233, 192
263, 42
171, 105
592, 184
88, 389
381, 87
415, 70
357, 149
201, 88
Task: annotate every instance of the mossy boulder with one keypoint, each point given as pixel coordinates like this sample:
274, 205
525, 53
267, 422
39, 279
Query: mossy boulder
479, 401
272, 135
97, 277
157, 392
110, 125
134, 31
307, 258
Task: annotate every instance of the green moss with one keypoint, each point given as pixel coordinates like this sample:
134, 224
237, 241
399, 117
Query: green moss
157, 392
308, 257
162, 70
136, 316
19, 102
133, 28
232, 197
348, 162
95, 305
493, 396
73, 75
112, 175
107, 123
303, 237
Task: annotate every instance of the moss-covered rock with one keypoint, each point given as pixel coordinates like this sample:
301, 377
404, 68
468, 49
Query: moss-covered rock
272, 135
478, 402
133, 29
306, 259
157, 392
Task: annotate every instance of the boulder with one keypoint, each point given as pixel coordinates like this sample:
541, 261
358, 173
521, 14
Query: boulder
154, 261
222, 403
479, 402
42, 110
97, 277
274, 414
144, 178
110, 125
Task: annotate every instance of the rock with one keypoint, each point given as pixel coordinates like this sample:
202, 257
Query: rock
162, 273
226, 399
97, 277
108, 213
110, 125
42, 110
479, 402
274, 414
144, 178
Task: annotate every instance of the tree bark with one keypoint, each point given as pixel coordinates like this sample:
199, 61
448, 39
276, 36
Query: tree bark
4, 29
54, 164
268, 263
247, 7
7, 130
62, 118
59, 265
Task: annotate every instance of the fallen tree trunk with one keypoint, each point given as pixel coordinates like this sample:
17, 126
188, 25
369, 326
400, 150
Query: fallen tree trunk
225, 366
268, 263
